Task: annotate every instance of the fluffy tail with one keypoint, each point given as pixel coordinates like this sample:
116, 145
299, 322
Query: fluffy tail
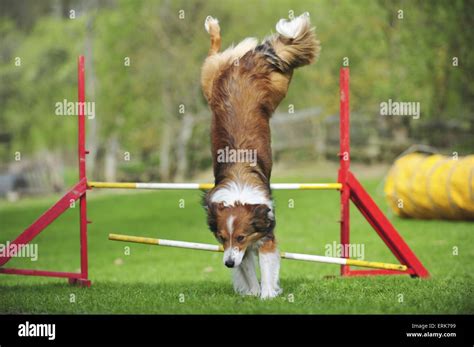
295, 44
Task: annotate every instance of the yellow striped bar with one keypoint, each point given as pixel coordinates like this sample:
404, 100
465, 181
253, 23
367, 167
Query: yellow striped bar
168, 243
376, 265
284, 255
207, 186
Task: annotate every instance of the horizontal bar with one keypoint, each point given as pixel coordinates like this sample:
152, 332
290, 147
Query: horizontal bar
169, 243
207, 186
306, 186
314, 258
285, 255
13, 271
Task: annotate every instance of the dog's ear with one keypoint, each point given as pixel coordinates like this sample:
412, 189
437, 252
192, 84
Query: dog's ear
263, 218
212, 210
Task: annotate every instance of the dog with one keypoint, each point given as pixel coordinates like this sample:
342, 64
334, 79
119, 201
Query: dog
243, 85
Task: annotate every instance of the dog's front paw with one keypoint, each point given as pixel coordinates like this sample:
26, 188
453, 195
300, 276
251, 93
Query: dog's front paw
270, 292
248, 291
253, 291
212, 25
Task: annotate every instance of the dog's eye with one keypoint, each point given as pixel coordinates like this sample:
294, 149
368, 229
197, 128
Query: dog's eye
240, 238
220, 238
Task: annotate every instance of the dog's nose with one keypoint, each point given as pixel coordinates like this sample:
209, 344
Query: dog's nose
229, 263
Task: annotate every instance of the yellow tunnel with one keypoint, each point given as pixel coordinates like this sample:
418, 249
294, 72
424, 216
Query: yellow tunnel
431, 186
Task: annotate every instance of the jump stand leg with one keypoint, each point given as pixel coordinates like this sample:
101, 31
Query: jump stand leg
353, 191
80, 282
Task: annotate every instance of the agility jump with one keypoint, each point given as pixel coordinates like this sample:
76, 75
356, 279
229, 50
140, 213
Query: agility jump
348, 185
284, 255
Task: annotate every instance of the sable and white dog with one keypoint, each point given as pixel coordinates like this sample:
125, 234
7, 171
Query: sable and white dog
243, 86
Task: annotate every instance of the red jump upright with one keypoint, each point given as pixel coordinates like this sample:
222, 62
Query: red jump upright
353, 190
78, 192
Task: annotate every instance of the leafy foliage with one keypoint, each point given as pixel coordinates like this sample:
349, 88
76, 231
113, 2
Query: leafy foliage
406, 59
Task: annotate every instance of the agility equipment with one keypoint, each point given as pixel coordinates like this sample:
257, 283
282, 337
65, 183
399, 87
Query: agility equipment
284, 255
429, 186
348, 185
207, 186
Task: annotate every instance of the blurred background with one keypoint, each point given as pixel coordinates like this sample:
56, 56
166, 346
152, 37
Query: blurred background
143, 62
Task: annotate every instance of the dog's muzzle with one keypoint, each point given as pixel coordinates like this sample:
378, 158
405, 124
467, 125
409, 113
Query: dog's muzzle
233, 257
229, 263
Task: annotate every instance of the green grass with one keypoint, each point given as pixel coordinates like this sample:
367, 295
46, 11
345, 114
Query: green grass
155, 280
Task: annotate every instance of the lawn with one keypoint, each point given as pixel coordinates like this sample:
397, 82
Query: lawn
162, 280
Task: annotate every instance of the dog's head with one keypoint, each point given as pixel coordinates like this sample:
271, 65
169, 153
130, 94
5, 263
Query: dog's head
238, 227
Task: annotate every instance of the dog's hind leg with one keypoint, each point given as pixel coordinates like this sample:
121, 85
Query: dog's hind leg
269, 259
214, 30
213, 63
